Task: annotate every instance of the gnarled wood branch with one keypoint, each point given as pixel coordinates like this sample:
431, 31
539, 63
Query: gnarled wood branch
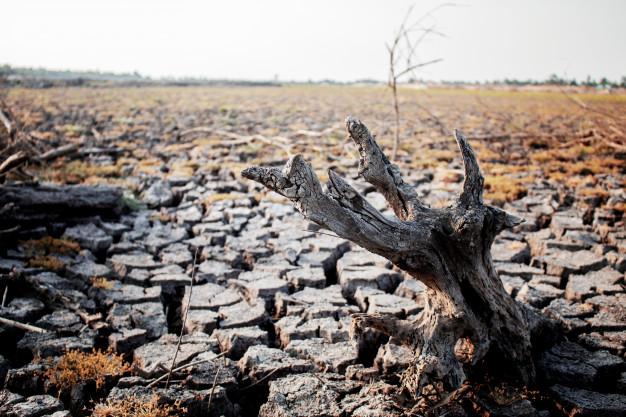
468, 315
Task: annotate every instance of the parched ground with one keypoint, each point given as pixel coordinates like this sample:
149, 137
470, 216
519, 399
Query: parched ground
266, 319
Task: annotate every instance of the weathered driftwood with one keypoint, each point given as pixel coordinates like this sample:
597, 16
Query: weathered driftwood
468, 317
31, 204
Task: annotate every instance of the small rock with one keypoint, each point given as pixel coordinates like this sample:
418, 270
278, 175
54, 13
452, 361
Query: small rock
510, 251
158, 195
176, 254
147, 316
412, 289
8, 265
556, 282
25, 380
567, 221
162, 351
190, 215
89, 236
370, 277
124, 294
313, 277
123, 247
275, 265
289, 249
570, 314
571, 364
127, 340
114, 229
86, 270
538, 295
260, 361
377, 301
63, 322
614, 342
519, 407
298, 328
161, 236
329, 357
237, 341
243, 314
512, 284
517, 270
201, 321
392, 358
215, 272
326, 260
24, 310
35, 406
338, 246
582, 402
587, 239
209, 297
357, 258
564, 263
170, 280
307, 395
214, 371
607, 281
122, 264
360, 373
49, 344
617, 260
195, 401
140, 277
263, 288
53, 280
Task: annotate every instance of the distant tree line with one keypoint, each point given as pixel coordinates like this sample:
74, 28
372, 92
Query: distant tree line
68, 74
551, 80
43, 73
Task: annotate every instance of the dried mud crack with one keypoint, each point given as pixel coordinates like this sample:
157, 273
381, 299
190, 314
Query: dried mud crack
267, 325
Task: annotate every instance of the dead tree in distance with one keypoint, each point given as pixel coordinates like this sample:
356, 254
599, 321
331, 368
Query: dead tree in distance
403, 59
468, 318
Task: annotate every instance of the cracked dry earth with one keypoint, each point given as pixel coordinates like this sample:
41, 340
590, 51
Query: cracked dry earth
264, 299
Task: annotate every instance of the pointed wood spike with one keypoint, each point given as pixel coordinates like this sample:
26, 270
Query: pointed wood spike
474, 181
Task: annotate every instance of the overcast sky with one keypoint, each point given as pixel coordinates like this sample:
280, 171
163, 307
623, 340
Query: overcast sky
315, 40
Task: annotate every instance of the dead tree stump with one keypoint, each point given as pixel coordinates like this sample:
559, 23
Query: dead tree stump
469, 318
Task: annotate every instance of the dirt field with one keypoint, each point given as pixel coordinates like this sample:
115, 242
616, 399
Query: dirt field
524, 136
556, 159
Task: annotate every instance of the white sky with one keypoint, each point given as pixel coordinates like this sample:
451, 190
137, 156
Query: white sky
315, 39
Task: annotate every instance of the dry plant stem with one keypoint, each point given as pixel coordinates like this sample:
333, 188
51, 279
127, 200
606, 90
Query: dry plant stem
447, 249
8, 126
260, 380
22, 325
182, 330
4, 297
13, 161
213, 388
180, 368
282, 143
59, 152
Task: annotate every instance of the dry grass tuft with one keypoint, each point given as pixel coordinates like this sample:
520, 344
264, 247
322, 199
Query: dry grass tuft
51, 245
137, 407
75, 367
47, 262
504, 189
43, 253
76, 172
101, 282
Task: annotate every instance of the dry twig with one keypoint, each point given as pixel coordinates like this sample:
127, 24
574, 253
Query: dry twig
19, 325
182, 330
